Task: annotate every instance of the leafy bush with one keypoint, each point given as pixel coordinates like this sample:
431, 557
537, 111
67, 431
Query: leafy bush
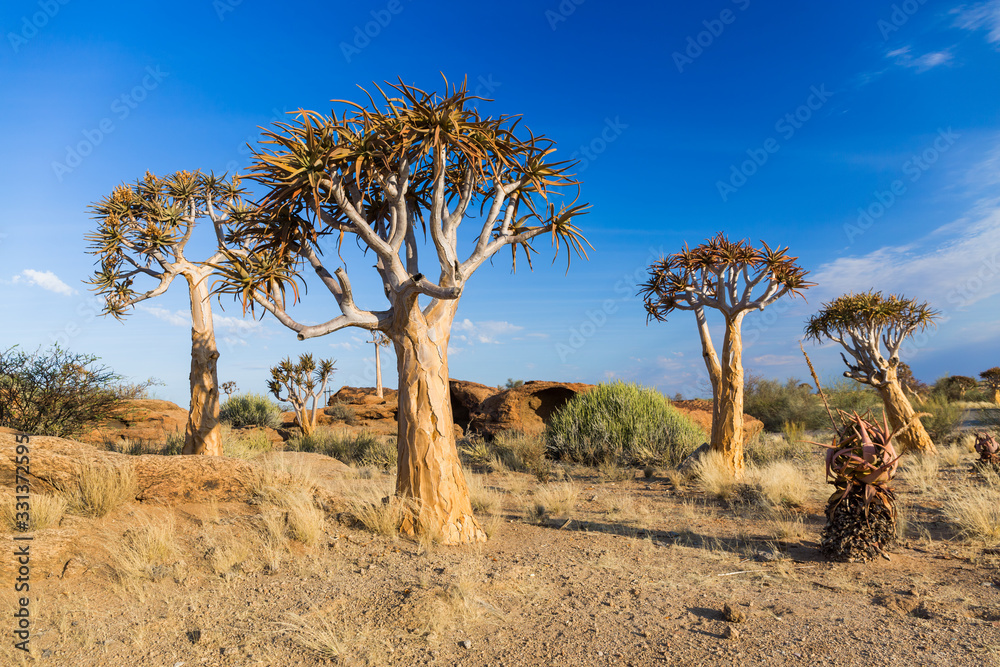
944, 419
775, 403
341, 412
250, 410
624, 424
58, 392
364, 448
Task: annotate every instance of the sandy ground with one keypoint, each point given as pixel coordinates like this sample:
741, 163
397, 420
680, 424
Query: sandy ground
626, 572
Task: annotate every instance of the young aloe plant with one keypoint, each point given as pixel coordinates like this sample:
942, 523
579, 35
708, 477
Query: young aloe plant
861, 513
989, 451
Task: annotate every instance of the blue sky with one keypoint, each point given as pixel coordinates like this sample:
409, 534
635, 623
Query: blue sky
864, 135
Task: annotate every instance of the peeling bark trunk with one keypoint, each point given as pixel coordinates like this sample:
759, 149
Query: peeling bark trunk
204, 433
378, 373
429, 471
727, 422
899, 411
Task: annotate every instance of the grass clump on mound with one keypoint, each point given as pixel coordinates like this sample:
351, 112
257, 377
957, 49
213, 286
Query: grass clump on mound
250, 410
623, 424
365, 448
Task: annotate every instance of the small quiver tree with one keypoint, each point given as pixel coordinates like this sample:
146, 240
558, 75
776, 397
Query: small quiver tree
377, 174
734, 278
379, 340
861, 513
989, 452
143, 231
863, 324
991, 378
303, 384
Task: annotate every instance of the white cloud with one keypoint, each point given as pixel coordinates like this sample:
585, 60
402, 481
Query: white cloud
983, 16
485, 332
346, 345
905, 58
44, 279
775, 360
953, 267
176, 318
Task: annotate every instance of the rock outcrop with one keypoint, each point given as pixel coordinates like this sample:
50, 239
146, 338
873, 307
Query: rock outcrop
699, 410
466, 398
526, 408
146, 420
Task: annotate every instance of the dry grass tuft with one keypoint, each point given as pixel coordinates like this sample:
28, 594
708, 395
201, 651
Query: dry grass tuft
921, 472
44, 511
317, 634
379, 513
229, 557
622, 506
780, 483
951, 456
143, 551
975, 512
305, 521
484, 499
245, 445
274, 542
713, 476
100, 490
787, 528
555, 500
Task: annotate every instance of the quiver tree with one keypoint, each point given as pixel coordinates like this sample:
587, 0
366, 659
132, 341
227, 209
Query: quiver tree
734, 278
416, 167
379, 340
991, 378
955, 386
143, 231
303, 383
871, 328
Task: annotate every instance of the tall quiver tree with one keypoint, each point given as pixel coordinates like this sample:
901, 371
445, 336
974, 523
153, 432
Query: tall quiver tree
376, 174
143, 231
734, 278
991, 378
872, 328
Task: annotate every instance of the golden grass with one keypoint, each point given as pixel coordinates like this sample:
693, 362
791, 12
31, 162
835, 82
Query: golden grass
952, 456
230, 556
556, 500
377, 512
316, 634
975, 512
781, 483
143, 550
622, 506
921, 472
44, 511
100, 490
273, 541
713, 476
245, 445
305, 521
484, 498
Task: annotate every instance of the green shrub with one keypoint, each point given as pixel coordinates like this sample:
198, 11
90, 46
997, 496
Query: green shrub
943, 420
624, 424
250, 410
365, 448
775, 403
341, 412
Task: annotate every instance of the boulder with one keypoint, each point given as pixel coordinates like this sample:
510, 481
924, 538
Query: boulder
146, 420
466, 398
527, 408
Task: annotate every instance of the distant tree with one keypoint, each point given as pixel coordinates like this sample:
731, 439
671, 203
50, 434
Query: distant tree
379, 339
991, 378
909, 383
302, 383
143, 231
954, 387
864, 324
513, 384
723, 275
382, 174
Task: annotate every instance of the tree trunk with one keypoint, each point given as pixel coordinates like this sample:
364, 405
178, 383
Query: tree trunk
204, 433
378, 372
996, 395
899, 411
711, 361
429, 471
727, 422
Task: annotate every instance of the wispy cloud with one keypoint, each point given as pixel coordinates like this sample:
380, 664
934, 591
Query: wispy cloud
775, 360
904, 57
173, 317
236, 327
982, 16
44, 279
486, 332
